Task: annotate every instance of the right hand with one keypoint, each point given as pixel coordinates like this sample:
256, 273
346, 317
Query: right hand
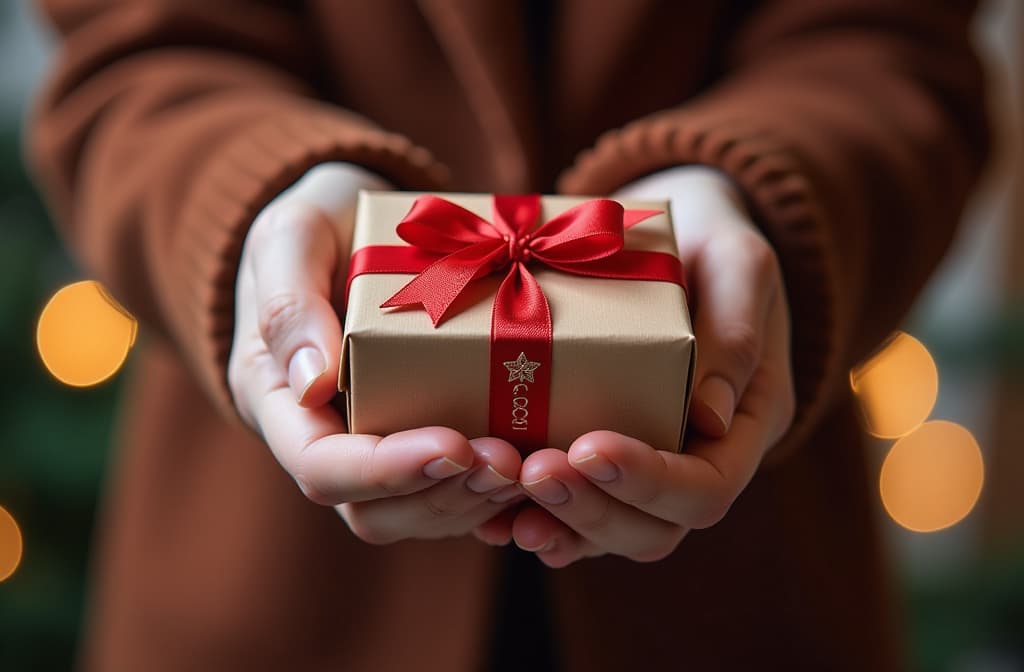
422, 483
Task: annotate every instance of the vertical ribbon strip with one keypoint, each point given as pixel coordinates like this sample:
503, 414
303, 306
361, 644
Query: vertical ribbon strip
450, 247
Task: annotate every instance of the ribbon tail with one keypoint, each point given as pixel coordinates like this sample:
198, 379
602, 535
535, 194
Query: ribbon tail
520, 367
631, 218
437, 287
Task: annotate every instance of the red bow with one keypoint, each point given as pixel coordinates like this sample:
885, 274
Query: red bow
451, 247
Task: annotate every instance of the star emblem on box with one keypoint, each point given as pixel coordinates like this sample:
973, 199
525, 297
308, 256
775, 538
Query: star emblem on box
521, 369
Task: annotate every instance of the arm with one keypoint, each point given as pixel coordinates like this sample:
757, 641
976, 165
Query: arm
855, 129
165, 127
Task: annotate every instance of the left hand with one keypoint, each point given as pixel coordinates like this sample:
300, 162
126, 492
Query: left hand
614, 494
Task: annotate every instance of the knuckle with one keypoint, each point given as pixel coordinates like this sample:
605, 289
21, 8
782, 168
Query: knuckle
756, 251
646, 496
279, 315
741, 345
447, 439
748, 248
764, 260
240, 379
314, 491
711, 511
658, 552
307, 469
370, 476
365, 529
440, 508
600, 520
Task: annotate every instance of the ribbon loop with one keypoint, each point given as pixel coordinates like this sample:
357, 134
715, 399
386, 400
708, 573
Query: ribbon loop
516, 215
589, 231
437, 225
439, 284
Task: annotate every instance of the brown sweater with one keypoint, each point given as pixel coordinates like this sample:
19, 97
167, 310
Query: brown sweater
854, 127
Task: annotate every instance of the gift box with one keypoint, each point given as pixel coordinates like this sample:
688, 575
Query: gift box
535, 319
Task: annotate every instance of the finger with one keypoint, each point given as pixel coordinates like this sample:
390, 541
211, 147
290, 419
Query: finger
333, 467
691, 489
294, 258
251, 371
383, 522
497, 530
452, 507
373, 523
735, 279
609, 523
555, 543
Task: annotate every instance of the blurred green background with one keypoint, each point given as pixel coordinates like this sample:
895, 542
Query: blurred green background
964, 587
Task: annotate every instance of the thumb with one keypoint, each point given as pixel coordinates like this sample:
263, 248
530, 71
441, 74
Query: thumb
294, 258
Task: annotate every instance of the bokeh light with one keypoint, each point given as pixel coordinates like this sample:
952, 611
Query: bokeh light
10, 544
932, 477
84, 335
896, 387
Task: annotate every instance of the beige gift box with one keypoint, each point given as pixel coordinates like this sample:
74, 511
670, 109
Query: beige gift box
622, 358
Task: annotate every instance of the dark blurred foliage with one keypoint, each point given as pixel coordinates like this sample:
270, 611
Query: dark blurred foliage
974, 621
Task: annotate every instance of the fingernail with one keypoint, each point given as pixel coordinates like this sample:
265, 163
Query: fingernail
442, 467
539, 549
506, 494
548, 490
597, 468
486, 479
304, 368
720, 398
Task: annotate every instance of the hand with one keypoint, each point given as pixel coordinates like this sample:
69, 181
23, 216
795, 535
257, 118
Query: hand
425, 483
614, 494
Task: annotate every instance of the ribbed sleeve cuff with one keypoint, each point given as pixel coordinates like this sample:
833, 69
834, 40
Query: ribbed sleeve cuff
784, 205
233, 187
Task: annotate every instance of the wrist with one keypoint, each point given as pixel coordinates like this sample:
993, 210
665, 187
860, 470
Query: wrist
700, 196
332, 187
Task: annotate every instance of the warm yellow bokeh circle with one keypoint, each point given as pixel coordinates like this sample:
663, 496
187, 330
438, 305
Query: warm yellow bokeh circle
84, 335
932, 477
896, 387
10, 544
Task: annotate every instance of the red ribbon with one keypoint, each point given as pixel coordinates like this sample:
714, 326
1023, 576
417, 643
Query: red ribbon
450, 247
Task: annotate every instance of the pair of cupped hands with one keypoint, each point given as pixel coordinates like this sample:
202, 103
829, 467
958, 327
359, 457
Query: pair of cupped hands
609, 493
